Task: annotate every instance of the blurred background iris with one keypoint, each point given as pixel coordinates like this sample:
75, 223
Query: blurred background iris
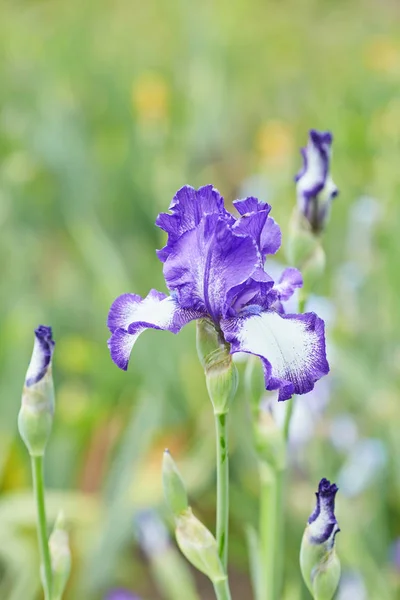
106, 109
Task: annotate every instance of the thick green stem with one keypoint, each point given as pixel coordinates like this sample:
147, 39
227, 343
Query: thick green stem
221, 589
38, 488
221, 430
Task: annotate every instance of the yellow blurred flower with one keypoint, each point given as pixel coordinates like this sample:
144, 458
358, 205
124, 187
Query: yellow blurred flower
150, 97
274, 143
383, 55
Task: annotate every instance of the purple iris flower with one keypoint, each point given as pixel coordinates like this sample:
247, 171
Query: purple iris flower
315, 186
42, 354
322, 524
214, 269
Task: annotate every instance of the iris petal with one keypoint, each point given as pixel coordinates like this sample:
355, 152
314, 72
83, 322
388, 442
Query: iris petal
187, 208
130, 315
207, 262
292, 348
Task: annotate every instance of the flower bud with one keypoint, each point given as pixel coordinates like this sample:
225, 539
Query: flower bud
35, 417
315, 187
319, 563
220, 371
60, 557
199, 546
174, 488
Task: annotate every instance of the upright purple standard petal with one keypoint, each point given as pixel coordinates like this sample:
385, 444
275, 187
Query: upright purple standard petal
322, 522
130, 315
291, 347
315, 187
41, 356
187, 208
207, 262
255, 221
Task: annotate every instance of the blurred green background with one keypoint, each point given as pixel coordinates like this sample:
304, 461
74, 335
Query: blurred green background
106, 109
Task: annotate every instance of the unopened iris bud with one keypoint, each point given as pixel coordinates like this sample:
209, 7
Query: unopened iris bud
174, 488
199, 546
35, 417
60, 557
315, 186
319, 563
220, 371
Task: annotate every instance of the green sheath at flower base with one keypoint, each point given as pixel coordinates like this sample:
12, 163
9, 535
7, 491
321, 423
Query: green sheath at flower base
319, 562
199, 546
221, 374
60, 557
35, 417
174, 488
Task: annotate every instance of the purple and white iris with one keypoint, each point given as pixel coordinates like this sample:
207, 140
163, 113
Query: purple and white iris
42, 354
322, 524
315, 186
214, 269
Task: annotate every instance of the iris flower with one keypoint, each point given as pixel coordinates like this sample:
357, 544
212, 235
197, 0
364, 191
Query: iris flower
214, 269
315, 186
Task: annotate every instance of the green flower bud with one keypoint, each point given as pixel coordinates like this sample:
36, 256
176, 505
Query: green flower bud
220, 371
174, 488
60, 557
319, 563
199, 546
35, 417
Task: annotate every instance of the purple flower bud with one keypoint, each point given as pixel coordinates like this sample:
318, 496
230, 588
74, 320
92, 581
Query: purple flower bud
41, 356
315, 186
322, 524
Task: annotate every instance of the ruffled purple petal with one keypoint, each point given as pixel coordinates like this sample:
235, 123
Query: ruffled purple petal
322, 522
43, 349
292, 348
254, 292
251, 205
256, 222
290, 280
315, 187
130, 315
187, 208
207, 262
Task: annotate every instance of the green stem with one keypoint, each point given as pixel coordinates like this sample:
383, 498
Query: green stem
221, 430
268, 528
288, 416
38, 488
221, 589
